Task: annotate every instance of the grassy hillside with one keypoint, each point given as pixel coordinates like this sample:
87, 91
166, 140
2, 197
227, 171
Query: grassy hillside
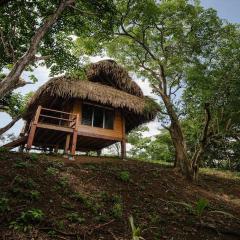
42, 197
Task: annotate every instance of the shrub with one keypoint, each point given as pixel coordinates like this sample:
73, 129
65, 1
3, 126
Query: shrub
201, 205
116, 198
31, 216
124, 176
75, 218
117, 210
33, 157
34, 195
63, 182
3, 150
52, 171
4, 205
30, 183
22, 165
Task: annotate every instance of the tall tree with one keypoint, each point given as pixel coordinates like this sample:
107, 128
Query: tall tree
41, 30
160, 41
217, 82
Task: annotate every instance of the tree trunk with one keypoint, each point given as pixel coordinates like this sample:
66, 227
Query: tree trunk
197, 156
182, 162
9, 125
10, 82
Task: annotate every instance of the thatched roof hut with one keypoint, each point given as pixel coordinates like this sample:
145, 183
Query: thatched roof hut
100, 109
108, 84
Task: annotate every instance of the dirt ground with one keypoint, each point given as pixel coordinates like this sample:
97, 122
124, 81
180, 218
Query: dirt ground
49, 197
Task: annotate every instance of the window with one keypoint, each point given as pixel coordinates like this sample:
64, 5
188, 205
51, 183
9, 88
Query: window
87, 115
97, 117
109, 119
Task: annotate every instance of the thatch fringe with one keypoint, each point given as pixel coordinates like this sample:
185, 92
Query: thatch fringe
66, 87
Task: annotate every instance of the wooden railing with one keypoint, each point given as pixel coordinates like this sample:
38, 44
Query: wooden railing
46, 117
51, 116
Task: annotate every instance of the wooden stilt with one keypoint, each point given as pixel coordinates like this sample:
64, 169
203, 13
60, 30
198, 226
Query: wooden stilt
99, 152
123, 149
56, 149
123, 142
74, 138
33, 128
67, 144
74, 142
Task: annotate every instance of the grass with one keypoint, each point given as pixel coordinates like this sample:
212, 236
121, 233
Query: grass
220, 173
66, 198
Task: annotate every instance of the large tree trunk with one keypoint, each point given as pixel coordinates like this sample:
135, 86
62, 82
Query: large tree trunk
11, 81
182, 162
9, 125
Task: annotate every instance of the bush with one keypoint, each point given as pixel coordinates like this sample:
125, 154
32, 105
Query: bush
117, 210
124, 176
31, 216
33, 157
34, 195
22, 165
201, 205
52, 171
4, 206
3, 150
75, 218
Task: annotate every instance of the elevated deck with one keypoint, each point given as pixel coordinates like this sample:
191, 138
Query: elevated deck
63, 130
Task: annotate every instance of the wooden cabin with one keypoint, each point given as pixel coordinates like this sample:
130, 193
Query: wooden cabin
86, 115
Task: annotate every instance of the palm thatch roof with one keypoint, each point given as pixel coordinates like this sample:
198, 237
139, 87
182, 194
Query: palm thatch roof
110, 73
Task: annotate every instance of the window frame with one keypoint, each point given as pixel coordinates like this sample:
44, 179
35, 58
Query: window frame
104, 115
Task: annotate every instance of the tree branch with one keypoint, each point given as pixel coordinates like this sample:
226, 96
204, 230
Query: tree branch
9, 125
10, 82
40, 58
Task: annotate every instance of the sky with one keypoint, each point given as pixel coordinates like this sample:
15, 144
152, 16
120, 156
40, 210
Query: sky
227, 9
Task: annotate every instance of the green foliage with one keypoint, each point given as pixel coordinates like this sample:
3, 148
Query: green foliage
124, 176
158, 148
179, 43
136, 231
63, 182
4, 205
14, 103
117, 210
33, 157
90, 19
52, 171
201, 205
75, 217
28, 183
34, 195
22, 165
3, 150
27, 219
32, 216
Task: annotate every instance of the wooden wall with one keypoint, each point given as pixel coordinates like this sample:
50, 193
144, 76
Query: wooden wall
116, 133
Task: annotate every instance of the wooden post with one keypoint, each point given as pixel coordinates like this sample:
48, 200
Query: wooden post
75, 134
67, 143
99, 152
123, 149
33, 128
56, 149
123, 142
